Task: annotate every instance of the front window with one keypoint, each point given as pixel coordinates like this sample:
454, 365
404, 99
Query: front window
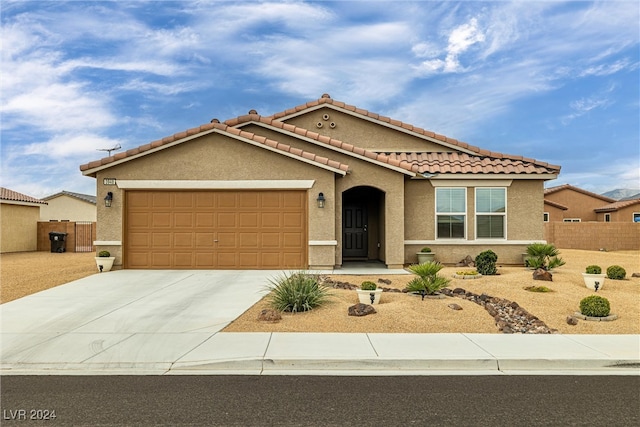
491, 211
451, 210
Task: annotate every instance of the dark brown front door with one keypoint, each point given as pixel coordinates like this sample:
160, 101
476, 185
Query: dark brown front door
354, 235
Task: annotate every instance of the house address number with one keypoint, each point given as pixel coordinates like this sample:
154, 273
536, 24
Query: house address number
109, 181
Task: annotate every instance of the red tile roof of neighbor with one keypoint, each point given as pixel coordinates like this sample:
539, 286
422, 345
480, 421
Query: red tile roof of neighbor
554, 204
14, 196
555, 189
618, 205
477, 161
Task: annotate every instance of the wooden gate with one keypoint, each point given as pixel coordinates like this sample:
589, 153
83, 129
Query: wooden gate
84, 236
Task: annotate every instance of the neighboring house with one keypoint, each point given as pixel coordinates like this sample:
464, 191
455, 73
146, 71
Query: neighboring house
19, 216
620, 211
68, 206
572, 204
313, 187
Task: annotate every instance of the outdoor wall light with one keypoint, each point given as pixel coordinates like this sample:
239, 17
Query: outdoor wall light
321, 200
108, 199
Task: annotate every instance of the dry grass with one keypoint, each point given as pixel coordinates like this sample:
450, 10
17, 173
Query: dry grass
399, 312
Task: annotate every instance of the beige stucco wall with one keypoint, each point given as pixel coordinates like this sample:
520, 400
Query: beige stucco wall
361, 133
19, 227
65, 208
218, 157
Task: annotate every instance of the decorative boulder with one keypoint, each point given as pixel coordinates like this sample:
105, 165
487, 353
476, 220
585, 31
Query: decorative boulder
466, 262
361, 310
542, 274
454, 306
268, 315
572, 321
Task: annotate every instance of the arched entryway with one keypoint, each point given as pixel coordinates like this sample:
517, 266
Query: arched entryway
363, 224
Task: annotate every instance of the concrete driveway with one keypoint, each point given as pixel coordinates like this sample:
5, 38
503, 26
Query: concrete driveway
125, 319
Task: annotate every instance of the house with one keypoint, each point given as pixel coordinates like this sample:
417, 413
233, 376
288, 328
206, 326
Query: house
620, 211
572, 204
69, 206
19, 215
314, 186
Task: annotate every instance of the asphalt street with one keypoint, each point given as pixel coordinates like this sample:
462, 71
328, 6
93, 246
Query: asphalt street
320, 401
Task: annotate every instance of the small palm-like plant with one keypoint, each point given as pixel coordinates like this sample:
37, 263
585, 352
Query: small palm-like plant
297, 292
428, 281
543, 255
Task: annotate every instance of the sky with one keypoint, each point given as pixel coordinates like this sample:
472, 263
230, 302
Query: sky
554, 81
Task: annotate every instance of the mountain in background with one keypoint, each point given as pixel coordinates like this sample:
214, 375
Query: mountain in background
623, 193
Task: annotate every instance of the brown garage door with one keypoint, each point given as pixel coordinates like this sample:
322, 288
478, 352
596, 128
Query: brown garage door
215, 229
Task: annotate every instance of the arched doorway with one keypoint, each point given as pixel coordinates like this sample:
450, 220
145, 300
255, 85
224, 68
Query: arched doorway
363, 224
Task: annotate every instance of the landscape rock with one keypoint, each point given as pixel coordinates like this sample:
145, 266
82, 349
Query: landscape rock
635, 275
466, 262
572, 321
454, 306
269, 315
542, 274
361, 310
385, 281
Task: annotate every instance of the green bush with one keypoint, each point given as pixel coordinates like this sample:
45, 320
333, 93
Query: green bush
616, 272
595, 306
368, 286
298, 292
428, 280
425, 249
543, 255
593, 269
486, 263
104, 254
538, 289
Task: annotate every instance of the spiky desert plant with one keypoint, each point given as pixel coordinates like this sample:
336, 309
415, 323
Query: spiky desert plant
297, 292
544, 255
428, 280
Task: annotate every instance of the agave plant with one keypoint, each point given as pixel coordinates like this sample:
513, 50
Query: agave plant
428, 281
543, 255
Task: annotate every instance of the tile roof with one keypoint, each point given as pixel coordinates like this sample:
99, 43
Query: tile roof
322, 140
14, 196
225, 130
618, 205
327, 100
84, 197
555, 189
555, 204
462, 163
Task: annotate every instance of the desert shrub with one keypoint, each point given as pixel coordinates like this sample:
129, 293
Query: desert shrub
486, 263
425, 249
428, 281
297, 292
368, 286
595, 306
104, 254
543, 255
593, 269
616, 272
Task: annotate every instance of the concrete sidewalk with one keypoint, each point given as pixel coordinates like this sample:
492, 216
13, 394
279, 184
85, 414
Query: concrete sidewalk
169, 322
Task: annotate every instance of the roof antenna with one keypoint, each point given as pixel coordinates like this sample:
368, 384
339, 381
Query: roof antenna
109, 150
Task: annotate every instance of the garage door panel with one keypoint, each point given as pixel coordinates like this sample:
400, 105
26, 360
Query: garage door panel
160, 219
215, 229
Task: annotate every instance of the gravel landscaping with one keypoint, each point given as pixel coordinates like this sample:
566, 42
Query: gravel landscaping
29, 272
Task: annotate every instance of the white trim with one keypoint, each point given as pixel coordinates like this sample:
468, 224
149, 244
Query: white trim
107, 243
217, 184
483, 242
323, 243
466, 182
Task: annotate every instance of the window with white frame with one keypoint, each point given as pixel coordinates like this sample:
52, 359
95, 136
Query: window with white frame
451, 213
491, 213
571, 220
636, 217
545, 216
607, 217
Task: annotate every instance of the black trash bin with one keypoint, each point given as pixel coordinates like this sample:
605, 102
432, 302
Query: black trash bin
58, 241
